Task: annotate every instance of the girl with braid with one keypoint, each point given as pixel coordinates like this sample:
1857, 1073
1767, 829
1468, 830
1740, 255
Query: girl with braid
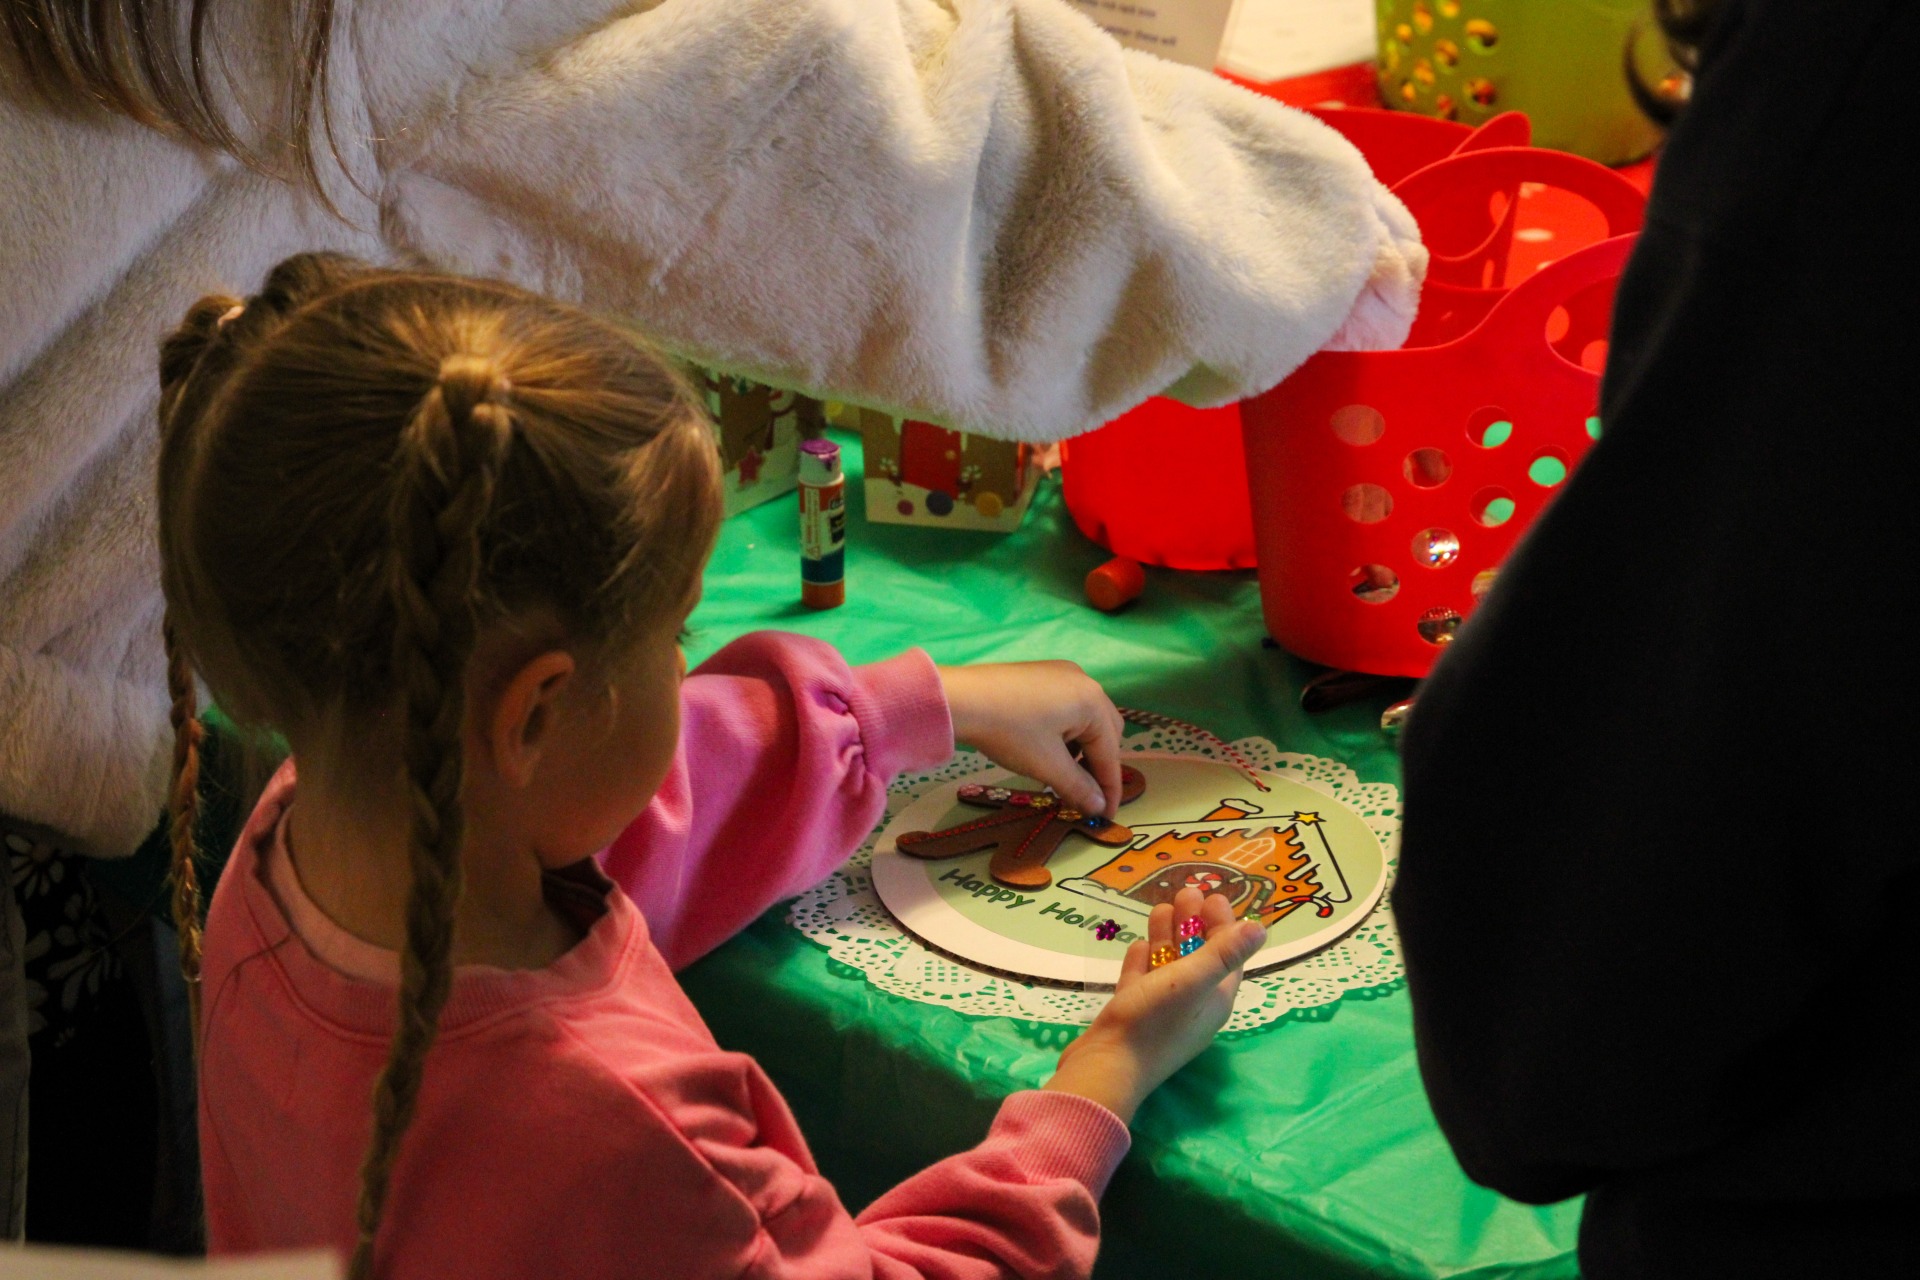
443, 536
982, 213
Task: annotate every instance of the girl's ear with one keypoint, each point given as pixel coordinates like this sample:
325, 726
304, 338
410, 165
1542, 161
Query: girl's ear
526, 714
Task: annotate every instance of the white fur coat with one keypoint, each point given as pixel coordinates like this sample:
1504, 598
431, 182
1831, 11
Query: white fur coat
977, 211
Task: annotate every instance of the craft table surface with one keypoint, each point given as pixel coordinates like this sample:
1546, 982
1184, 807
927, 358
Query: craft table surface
1304, 1149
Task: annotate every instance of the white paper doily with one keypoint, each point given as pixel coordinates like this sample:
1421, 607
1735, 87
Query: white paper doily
843, 915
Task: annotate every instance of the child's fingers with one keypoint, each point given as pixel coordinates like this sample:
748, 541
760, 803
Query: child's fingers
1229, 944
1075, 786
1229, 949
1135, 962
1215, 912
1100, 749
1159, 927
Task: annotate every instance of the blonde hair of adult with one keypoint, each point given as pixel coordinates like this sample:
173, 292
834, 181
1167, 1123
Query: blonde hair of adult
363, 471
150, 60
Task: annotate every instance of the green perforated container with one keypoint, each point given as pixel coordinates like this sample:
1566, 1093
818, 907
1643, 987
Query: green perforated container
1560, 61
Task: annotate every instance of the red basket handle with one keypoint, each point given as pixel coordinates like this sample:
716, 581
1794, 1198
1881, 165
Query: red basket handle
1434, 194
1508, 129
1524, 311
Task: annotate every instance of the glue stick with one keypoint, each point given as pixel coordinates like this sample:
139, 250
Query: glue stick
823, 525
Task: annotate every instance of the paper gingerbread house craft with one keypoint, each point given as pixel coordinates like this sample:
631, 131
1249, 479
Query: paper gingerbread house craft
919, 473
759, 430
1023, 832
1267, 869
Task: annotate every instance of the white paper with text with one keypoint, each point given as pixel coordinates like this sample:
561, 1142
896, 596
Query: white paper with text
1186, 31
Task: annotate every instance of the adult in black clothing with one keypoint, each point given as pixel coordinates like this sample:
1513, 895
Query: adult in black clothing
1659, 872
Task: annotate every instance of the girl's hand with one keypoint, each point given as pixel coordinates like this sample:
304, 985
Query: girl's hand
1160, 1019
1028, 717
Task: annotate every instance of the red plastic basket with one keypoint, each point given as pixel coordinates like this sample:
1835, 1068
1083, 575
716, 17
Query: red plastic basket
1465, 206
1163, 484
1388, 486
1166, 484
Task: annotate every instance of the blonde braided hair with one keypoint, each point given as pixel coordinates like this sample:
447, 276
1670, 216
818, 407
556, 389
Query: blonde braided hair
360, 472
183, 810
448, 463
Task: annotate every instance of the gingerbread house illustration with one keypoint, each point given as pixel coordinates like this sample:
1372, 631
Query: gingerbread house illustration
920, 473
760, 429
1267, 870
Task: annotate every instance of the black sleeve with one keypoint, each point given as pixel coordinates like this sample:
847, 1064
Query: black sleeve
1657, 832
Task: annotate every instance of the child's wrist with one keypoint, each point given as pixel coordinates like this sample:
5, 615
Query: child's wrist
955, 683
1099, 1072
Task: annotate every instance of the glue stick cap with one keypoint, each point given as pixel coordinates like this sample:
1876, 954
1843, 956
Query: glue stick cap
819, 461
1115, 583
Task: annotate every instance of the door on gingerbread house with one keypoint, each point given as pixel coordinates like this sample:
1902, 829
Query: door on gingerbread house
930, 458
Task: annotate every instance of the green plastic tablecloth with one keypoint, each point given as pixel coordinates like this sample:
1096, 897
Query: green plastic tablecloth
1304, 1149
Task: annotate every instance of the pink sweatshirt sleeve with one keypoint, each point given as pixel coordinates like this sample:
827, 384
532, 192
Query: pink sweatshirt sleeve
785, 756
1024, 1203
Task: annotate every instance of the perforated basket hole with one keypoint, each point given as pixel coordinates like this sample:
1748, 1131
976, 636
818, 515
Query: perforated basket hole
1427, 468
1593, 428
1358, 424
1548, 469
1491, 507
1373, 584
1489, 427
1483, 582
1435, 548
1436, 626
1366, 503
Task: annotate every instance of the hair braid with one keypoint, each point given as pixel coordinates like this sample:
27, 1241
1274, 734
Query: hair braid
183, 354
449, 459
183, 809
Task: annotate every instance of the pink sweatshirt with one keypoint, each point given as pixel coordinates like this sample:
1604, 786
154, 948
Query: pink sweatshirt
579, 1120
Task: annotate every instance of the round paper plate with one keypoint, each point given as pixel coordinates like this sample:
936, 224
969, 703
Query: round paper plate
1291, 857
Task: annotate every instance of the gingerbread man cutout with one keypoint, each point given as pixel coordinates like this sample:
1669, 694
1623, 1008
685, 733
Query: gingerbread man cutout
1024, 833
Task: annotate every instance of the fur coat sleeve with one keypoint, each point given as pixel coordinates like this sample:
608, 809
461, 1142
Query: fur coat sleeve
976, 211
983, 212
